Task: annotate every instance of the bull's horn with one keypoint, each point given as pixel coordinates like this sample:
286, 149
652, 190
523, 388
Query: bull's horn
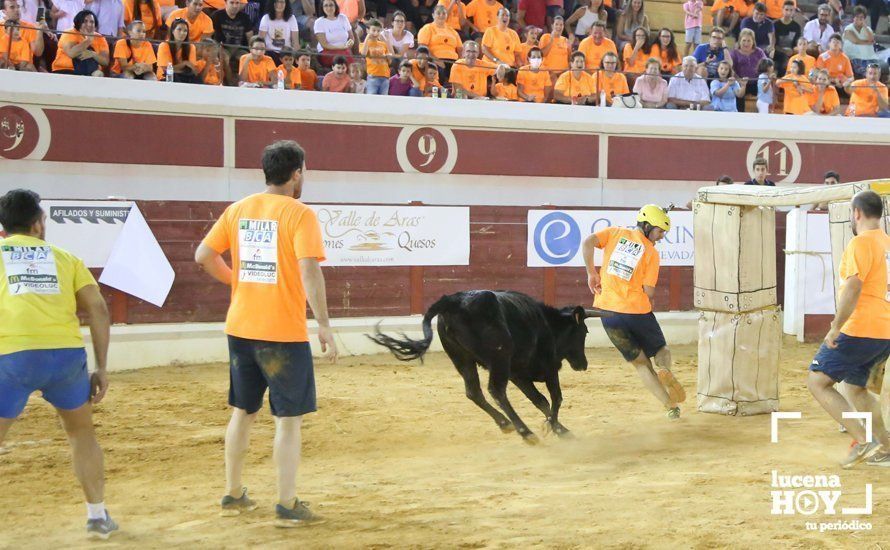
594, 312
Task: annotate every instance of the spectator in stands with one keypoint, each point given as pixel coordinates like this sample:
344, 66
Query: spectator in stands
712, 53
868, 96
469, 75
134, 56
82, 50
358, 76
431, 81
788, 32
482, 15
556, 48
766, 85
580, 24
503, 85
307, 73
876, 8
797, 89
824, 99
633, 17
148, 11
531, 13
279, 27
400, 40
724, 180
110, 18
531, 41
337, 80
30, 32
667, 49
334, 34
404, 83
63, 12
304, 11
761, 168
177, 51
830, 178
596, 46
500, 44
609, 81
764, 30
232, 29
809, 61
693, 10
840, 70
652, 88
726, 14
443, 41
355, 11
576, 86
818, 31
534, 83
376, 49
859, 42
256, 69
210, 66
687, 90
292, 78
746, 58
200, 24
638, 53
15, 51
26, 11
725, 89
419, 66
456, 14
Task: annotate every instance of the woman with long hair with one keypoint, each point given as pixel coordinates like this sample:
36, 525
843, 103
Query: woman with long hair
580, 23
667, 48
178, 52
637, 53
278, 27
443, 41
556, 48
400, 39
334, 34
797, 89
633, 16
134, 57
147, 11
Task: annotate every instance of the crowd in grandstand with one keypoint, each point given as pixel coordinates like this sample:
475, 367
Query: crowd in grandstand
603, 53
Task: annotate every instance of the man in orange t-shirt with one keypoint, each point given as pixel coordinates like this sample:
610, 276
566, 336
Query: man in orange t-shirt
200, 24
625, 286
868, 96
575, 86
470, 74
858, 343
836, 62
595, 46
276, 246
609, 80
257, 68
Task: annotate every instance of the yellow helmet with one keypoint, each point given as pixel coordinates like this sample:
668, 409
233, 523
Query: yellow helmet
655, 215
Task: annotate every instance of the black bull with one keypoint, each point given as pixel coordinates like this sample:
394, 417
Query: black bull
514, 337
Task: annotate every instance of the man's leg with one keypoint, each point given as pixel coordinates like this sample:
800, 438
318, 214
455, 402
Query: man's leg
822, 387
864, 401
237, 442
286, 454
85, 451
650, 380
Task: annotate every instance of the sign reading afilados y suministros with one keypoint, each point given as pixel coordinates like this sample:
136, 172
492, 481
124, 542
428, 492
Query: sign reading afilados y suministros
394, 235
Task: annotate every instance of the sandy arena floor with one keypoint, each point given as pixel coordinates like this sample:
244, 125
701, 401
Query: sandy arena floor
397, 457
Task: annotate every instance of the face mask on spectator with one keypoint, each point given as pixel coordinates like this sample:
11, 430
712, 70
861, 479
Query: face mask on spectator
535, 62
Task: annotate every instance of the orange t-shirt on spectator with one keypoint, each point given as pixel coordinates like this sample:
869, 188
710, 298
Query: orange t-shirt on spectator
483, 14
165, 57
27, 31
623, 277
534, 83
669, 66
376, 62
267, 235
796, 103
774, 8
310, 78
418, 73
865, 99
570, 86
808, 61
594, 53
502, 44
506, 91
639, 64
428, 86
522, 53
442, 42
295, 76
19, 51
150, 15
722, 4
838, 66
830, 99
257, 71
335, 83
198, 28
218, 4
473, 79
212, 76
453, 20
349, 8
74, 37
557, 59
867, 257
143, 53
612, 85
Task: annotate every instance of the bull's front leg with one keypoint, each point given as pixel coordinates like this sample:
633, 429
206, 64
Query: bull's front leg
497, 387
555, 390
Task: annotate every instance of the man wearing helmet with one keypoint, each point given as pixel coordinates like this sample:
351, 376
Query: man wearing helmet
625, 287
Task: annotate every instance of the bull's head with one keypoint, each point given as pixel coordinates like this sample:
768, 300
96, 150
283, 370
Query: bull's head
570, 340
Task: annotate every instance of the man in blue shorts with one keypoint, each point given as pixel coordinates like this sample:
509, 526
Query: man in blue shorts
859, 338
42, 287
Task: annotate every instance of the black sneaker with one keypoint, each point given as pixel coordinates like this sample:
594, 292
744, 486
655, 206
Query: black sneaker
101, 528
232, 506
296, 516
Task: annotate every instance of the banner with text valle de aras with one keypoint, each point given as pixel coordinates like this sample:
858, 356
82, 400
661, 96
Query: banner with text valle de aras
555, 236
394, 235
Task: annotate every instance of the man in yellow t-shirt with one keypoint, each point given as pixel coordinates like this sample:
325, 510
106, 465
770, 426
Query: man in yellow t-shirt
42, 287
625, 286
859, 338
276, 246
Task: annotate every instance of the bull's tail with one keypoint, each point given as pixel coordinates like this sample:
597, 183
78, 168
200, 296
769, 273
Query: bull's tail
407, 349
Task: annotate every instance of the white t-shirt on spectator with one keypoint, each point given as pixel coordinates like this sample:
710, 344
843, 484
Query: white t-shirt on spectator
336, 32
813, 33
396, 45
71, 8
278, 32
860, 51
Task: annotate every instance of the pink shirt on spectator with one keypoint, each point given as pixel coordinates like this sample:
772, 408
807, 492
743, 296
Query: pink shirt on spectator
691, 7
647, 93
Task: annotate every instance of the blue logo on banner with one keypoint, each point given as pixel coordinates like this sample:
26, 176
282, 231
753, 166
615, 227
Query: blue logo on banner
557, 238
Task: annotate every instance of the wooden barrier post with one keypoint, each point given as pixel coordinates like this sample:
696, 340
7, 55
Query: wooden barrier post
415, 281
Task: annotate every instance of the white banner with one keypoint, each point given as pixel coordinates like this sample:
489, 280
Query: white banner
555, 236
394, 235
818, 271
87, 229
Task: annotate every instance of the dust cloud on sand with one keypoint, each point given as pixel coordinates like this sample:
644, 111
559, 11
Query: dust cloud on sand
398, 457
